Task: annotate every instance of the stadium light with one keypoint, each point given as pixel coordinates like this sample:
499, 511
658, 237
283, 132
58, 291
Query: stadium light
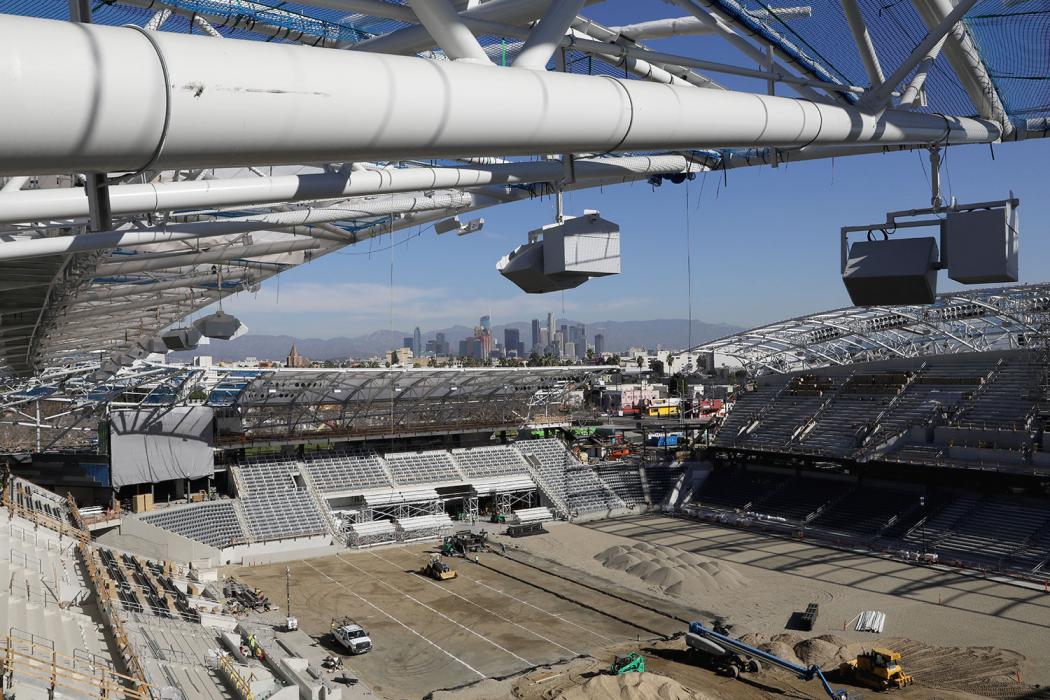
978, 245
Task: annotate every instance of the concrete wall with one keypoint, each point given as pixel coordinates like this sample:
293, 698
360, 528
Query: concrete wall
943, 435
278, 550
153, 542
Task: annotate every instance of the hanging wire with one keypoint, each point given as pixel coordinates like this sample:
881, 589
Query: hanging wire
689, 262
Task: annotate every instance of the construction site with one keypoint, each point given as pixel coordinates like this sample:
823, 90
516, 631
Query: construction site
851, 501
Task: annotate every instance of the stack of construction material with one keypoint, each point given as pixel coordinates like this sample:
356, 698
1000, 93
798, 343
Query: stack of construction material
531, 515
423, 527
372, 533
871, 621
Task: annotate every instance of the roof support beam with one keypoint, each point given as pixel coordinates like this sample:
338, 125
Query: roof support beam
443, 23
351, 210
966, 61
880, 95
862, 39
436, 109
68, 203
547, 36
691, 26
142, 263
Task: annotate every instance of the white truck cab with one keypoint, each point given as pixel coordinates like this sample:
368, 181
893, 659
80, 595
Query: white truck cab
352, 636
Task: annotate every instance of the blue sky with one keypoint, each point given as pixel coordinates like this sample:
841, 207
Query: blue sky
764, 244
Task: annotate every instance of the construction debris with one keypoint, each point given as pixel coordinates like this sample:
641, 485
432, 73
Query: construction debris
871, 621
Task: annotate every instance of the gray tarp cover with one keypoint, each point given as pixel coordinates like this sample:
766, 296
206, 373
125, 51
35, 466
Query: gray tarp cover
160, 444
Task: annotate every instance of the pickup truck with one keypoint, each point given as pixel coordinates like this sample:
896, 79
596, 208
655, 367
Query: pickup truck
351, 636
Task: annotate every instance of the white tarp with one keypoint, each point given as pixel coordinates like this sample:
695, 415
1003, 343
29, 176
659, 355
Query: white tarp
160, 444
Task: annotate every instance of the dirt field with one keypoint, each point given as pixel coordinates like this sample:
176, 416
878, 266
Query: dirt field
542, 620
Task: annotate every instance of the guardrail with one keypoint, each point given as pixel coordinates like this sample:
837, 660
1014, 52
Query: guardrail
237, 682
32, 659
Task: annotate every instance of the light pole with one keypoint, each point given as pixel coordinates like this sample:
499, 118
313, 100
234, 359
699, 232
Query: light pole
922, 504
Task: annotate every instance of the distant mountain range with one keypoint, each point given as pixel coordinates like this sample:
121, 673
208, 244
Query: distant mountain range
619, 336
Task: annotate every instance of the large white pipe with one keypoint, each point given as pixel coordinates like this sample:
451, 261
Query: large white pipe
108, 107
547, 36
161, 261
692, 26
862, 38
72, 202
104, 240
444, 25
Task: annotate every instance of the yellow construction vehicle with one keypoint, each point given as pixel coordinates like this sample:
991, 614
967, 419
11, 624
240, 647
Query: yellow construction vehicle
878, 669
438, 569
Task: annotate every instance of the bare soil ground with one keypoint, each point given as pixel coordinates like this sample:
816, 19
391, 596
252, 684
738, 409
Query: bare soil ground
542, 621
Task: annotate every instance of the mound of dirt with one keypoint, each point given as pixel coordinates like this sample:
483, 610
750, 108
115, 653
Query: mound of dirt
820, 652
781, 650
671, 570
632, 686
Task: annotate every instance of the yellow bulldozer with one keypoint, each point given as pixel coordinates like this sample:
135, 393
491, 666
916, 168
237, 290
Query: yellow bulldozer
437, 569
878, 669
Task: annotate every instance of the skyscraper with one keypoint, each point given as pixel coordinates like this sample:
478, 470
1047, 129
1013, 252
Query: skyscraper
486, 323
599, 344
550, 327
535, 333
408, 342
417, 342
511, 339
440, 344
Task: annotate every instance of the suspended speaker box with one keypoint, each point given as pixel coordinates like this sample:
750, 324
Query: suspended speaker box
181, 338
218, 325
894, 271
981, 245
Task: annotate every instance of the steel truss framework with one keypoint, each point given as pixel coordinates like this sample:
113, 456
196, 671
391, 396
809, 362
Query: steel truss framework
64, 406
200, 206
1000, 318
362, 402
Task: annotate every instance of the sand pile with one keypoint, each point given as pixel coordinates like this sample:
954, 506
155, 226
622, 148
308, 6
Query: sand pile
632, 686
671, 570
826, 650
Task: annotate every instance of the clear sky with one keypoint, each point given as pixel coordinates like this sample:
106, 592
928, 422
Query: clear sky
764, 244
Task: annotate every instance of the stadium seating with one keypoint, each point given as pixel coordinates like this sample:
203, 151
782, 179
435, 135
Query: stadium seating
867, 510
215, 523
551, 460
346, 469
801, 498
661, 479
732, 489
993, 529
489, 461
422, 467
586, 493
276, 501
625, 480
1008, 400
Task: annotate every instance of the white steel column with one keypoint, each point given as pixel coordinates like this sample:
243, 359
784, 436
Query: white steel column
547, 36
442, 22
71, 202
966, 62
107, 107
862, 39
880, 94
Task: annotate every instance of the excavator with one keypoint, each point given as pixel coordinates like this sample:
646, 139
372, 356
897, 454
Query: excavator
878, 669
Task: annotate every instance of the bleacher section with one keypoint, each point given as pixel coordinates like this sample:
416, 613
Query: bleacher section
490, 461
869, 510
736, 489
550, 460
276, 501
801, 498
214, 523
864, 412
625, 481
347, 469
661, 479
435, 466
587, 494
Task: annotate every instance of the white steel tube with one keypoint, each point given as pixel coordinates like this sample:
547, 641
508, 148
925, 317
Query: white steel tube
167, 262
862, 39
911, 93
444, 25
547, 36
880, 94
67, 203
15, 185
103, 240
966, 61
107, 107
691, 26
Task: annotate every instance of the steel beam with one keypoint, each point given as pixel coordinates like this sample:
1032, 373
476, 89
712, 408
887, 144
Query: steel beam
434, 108
169, 261
444, 25
547, 36
862, 39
